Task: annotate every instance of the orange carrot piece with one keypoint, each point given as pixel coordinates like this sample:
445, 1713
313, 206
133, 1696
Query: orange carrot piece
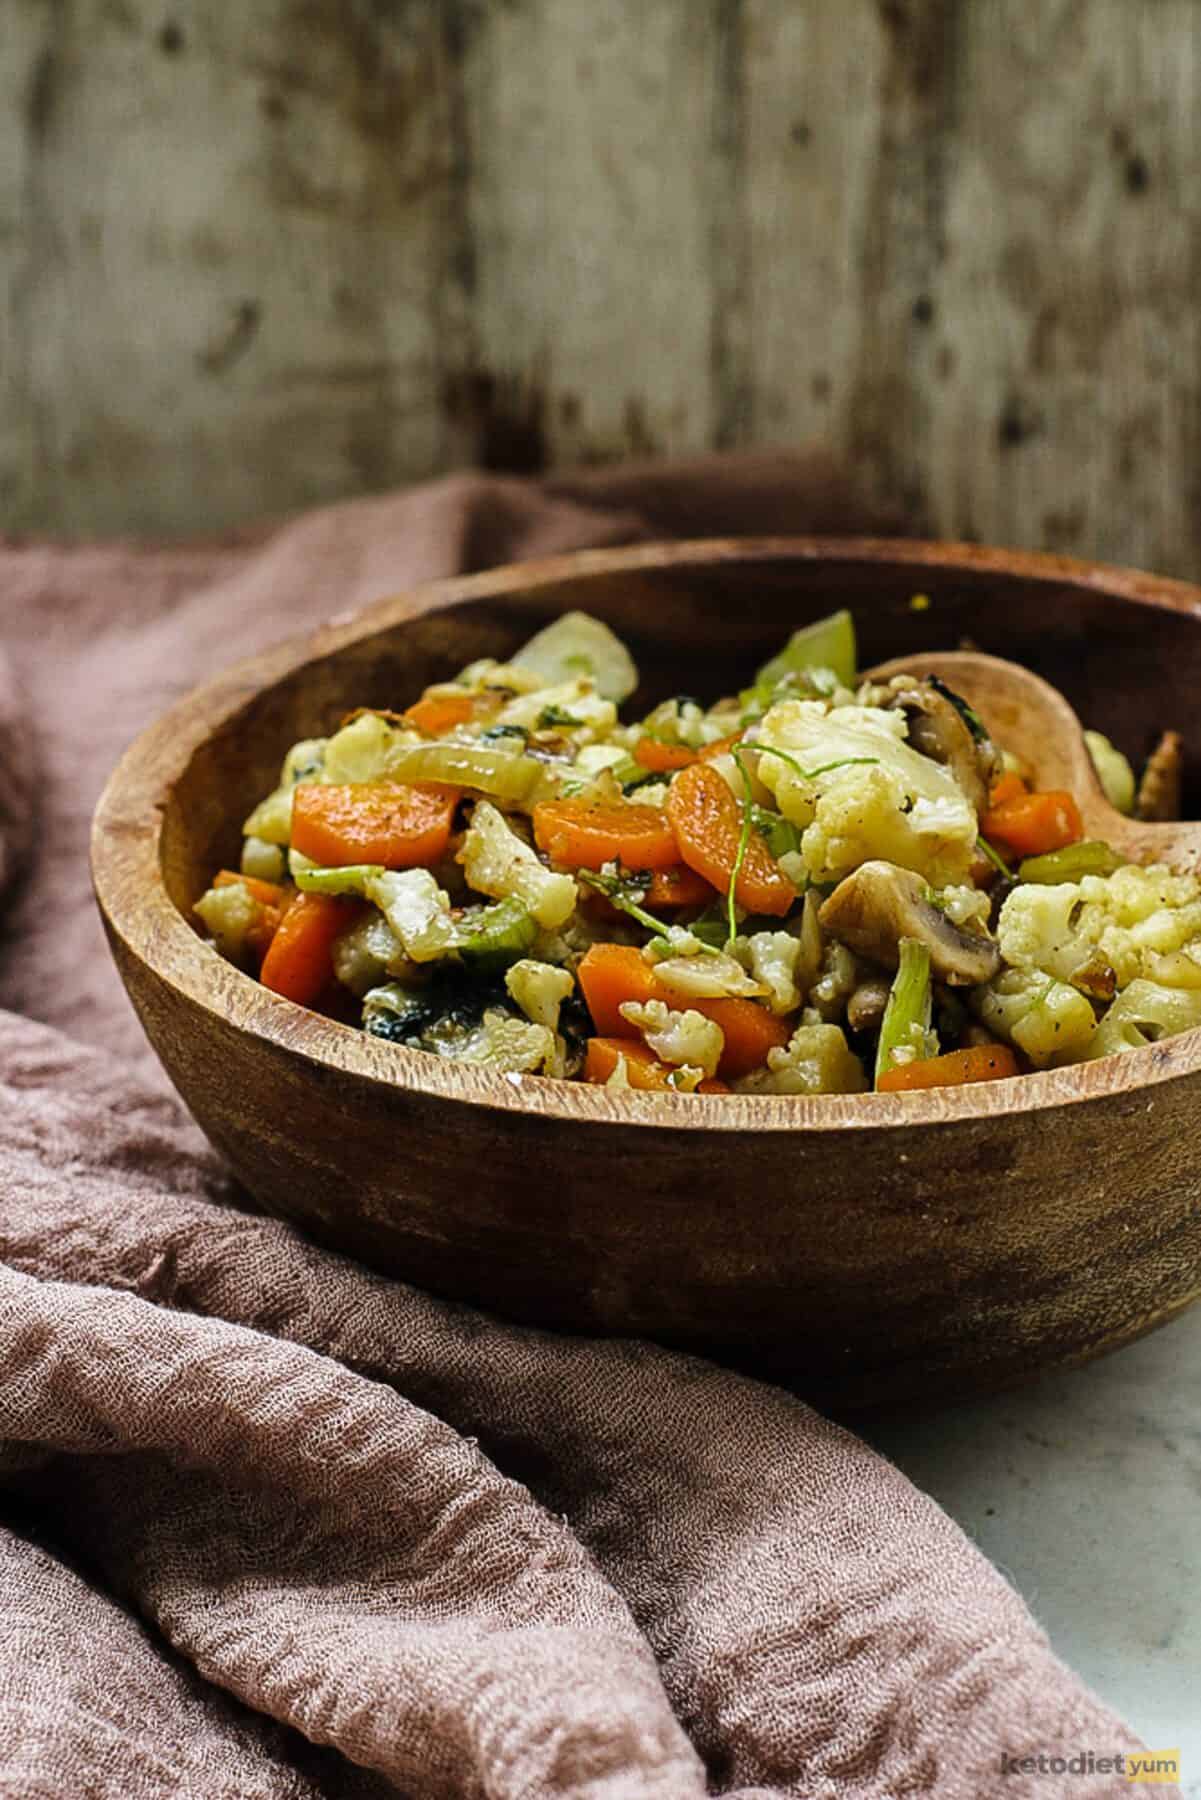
1032, 824
578, 835
660, 757
719, 746
982, 1062
643, 1068
268, 893
611, 974
435, 713
678, 886
401, 826
707, 821
1007, 787
298, 963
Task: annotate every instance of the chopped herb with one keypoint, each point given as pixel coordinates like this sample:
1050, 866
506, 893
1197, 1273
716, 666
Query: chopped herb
620, 891
968, 714
994, 857
554, 715
503, 731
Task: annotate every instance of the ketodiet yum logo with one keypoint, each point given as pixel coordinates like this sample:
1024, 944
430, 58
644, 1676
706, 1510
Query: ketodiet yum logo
1160, 1767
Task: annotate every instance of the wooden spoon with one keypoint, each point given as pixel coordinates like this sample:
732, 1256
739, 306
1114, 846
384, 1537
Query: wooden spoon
1027, 714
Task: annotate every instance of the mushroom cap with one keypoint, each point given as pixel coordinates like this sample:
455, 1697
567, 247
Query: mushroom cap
879, 904
943, 727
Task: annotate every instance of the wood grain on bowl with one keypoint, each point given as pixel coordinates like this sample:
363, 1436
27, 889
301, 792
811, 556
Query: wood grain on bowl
864, 1248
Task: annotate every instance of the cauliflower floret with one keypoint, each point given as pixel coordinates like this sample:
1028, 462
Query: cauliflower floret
512, 1046
230, 914
595, 757
839, 976
539, 990
1132, 919
1049, 1020
263, 861
1141, 1015
363, 750
575, 701
965, 906
271, 819
899, 807
496, 862
774, 958
685, 1038
708, 977
816, 1060
417, 910
367, 954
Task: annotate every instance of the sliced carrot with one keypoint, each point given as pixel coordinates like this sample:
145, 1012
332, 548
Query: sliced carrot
982, 1062
1007, 787
578, 835
719, 746
268, 893
611, 974
435, 713
398, 825
1032, 824
678, 886
643, 1068
298, 963
652, 753
707, 821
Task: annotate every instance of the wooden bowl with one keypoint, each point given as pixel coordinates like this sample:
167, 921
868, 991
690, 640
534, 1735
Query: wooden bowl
864, 1249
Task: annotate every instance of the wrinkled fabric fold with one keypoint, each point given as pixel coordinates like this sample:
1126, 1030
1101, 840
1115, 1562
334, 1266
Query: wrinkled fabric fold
273, 1525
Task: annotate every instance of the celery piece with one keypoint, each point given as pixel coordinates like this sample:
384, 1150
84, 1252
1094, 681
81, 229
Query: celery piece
826, 644
496, 936
352, 879
779, 833
1113, 771
1071, 863
907, 1015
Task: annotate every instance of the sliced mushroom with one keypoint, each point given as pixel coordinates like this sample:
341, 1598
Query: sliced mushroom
865, 1008
944, 728
1158, 794
877, 906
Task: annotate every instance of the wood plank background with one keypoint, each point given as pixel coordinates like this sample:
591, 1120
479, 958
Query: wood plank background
259, 253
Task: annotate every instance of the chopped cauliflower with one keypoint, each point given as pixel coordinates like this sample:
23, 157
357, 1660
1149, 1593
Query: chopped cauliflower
774, 959
512, 1046
230, 915
708, 977
1047, 1019
965, 906
572, 706
263, 861
899, 806
417, 910
839, 974
1137, 919
685, 1038
816, 1060
1142, 1014
496, 862
271, 819
363, 750
539, 990
367, 953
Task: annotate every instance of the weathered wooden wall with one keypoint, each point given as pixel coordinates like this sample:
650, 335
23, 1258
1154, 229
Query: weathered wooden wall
256, 253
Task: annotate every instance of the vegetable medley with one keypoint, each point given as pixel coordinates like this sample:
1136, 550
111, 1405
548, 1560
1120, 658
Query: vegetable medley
818, 885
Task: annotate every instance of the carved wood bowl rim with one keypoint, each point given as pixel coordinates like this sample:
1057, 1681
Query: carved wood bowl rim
126, 857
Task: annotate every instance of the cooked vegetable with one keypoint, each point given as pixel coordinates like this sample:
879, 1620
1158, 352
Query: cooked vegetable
1033, 824
880, 906
578, 834
434, 714
826, 644
905, 1031
497, 862
489, 938
982, 1062
716, 840
642, 1069
1113, 771
611, 975
1070, 864
506, 869
299, 960
575, 645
